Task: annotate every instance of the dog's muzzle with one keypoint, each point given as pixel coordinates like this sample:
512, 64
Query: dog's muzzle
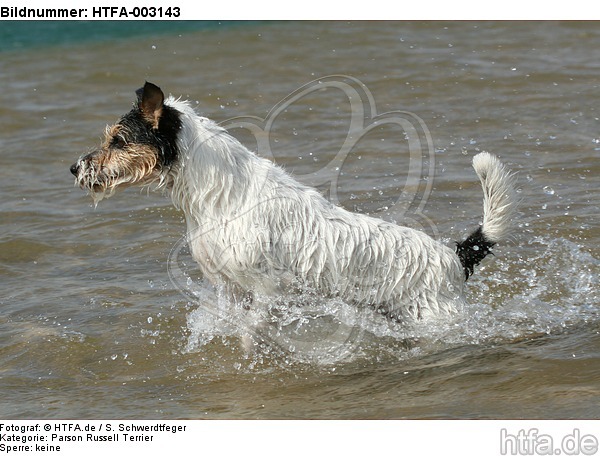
85, 174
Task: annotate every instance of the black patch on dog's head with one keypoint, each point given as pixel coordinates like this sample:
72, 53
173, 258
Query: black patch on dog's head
153, 123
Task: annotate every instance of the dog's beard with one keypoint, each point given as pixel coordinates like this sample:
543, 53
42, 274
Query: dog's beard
98, 184
105, 183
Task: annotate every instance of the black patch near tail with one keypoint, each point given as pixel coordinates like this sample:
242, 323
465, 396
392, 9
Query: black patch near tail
472, 250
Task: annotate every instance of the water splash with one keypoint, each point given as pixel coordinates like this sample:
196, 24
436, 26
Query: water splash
547, 291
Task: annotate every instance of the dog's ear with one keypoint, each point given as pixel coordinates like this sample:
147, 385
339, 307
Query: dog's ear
150, 102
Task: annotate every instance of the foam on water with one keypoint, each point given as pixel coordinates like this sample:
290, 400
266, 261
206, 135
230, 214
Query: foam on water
525, 297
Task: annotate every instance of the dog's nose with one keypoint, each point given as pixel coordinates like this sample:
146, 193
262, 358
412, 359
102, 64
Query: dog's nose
74, 169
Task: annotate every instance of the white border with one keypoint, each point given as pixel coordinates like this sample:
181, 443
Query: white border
346, 438
348, 10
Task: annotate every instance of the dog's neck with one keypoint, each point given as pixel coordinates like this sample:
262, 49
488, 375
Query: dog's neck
214, 171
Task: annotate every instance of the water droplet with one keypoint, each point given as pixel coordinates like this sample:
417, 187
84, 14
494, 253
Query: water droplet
548, 190
149, 319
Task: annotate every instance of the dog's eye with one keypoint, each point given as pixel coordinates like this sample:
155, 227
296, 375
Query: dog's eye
118, 142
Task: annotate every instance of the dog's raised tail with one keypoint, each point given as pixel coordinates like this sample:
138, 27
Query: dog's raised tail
499, 206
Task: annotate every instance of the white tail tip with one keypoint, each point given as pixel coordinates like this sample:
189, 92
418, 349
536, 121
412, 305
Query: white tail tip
499, 196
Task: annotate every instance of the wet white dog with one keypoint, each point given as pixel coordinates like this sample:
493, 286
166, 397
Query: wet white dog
253, 229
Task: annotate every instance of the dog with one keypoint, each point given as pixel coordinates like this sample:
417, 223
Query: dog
253, 229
